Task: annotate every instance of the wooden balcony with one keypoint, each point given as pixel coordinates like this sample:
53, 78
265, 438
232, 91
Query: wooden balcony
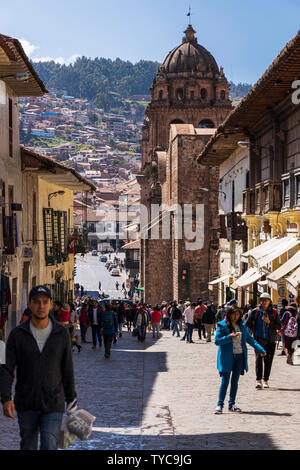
236, 227
249, 201
271, 196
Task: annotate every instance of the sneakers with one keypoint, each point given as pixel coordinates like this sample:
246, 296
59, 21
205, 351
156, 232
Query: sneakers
259, 385
234, 409
265, 385
218, 410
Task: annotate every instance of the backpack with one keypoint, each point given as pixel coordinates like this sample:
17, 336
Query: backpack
291, 328
257, 312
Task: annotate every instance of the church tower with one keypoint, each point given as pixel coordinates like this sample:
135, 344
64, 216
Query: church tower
189, 89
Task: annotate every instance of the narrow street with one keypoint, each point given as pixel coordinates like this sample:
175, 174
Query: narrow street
162, 395
90, 270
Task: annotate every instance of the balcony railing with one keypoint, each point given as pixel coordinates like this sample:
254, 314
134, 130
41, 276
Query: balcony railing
249, 201
266, 197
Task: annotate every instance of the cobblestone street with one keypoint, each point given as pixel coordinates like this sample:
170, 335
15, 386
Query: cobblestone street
162, 395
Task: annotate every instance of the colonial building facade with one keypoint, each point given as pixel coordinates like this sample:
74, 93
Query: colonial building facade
190, 97
266, 125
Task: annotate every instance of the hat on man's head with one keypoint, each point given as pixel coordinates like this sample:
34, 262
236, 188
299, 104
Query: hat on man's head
232, 301
39, 290
265, 295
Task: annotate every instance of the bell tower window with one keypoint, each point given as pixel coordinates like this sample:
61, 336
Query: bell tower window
203, 93
161, 95
179, 94
223, 95
206, 124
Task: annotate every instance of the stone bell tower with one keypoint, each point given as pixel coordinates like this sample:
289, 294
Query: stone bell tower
189, 88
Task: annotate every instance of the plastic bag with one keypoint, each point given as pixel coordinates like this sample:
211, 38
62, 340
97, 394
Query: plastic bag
79, 423
66, 439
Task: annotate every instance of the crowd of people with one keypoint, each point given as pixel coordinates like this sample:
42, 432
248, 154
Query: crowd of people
49, 332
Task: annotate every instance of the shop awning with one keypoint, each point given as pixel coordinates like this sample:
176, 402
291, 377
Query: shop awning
283, 271
270, 250
248, 278
217, 281
293, 281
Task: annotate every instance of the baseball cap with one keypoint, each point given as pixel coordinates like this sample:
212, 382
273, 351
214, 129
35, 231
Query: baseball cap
265, 295
39, 290
232, 301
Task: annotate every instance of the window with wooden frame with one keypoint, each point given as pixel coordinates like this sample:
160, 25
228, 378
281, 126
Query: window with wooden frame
49, 236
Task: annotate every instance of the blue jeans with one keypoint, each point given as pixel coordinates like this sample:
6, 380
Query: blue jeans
237, 369
189, 334
166, 323
175, 327
33, 422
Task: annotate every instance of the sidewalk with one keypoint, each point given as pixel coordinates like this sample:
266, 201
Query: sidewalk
162, 395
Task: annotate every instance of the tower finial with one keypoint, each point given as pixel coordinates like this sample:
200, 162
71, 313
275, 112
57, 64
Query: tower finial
189, 15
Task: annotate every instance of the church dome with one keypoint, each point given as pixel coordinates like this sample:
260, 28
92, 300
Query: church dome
190, 57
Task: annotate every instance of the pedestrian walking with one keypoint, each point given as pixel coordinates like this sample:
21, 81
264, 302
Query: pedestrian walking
64, 315
57, 306
189, 316
209, 320
232, 337
155, 321
109, 327
121, 318
83, 320
94, 313
166, 318
74, 332
290, 330
186, 305
264, 322
181, 308
117, 285
175, 316
26, 314
141, 323
199, 310
282, 311
39, 350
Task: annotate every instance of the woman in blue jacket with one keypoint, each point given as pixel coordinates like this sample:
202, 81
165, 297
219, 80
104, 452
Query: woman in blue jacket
232, 337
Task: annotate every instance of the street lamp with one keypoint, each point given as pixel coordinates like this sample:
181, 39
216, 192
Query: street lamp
207, 190
57, 193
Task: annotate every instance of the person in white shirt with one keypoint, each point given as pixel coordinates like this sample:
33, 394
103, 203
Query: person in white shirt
189, 317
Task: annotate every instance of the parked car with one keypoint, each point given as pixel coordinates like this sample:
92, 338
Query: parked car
103, 259
115, 272
94, 253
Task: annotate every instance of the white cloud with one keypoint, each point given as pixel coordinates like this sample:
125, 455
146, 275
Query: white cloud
28, 47
57, 60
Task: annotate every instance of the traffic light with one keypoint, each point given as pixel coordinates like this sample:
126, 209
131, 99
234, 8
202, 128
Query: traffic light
184, 274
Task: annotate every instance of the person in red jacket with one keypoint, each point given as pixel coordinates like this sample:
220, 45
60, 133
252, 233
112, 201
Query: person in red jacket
64, 315
83, 317
155, 320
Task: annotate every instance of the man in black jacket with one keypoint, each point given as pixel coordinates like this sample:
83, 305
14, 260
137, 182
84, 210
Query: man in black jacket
264, 322
209, 320
94, 314
40, 351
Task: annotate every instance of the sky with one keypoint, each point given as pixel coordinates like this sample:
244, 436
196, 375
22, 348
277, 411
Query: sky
244, 36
